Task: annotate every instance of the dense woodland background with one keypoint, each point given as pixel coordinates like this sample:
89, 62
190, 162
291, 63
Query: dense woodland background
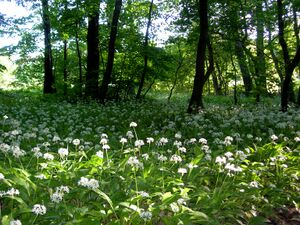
104, 49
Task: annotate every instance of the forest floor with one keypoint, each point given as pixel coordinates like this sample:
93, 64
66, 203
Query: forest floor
148, 162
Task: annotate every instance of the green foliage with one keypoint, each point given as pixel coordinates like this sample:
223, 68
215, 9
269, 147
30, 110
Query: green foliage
89, 163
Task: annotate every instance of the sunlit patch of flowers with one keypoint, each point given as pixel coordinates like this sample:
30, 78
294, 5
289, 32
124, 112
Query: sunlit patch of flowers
145, 163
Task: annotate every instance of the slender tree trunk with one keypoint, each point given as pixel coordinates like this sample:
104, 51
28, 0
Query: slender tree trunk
260, 56
92, 74
239, 51
143, 76
179, 65
235, 82
65, 66
175, 79
48, 63
196, 100
288, 64
79, 60
111, 51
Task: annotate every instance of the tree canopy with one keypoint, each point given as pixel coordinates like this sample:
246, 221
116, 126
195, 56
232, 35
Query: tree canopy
122, 49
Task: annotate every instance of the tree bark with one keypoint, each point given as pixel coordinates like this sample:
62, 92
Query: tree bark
288, 64
92, 75
65, 66
79, 60
48, 62
239, 51
111, 51
260, 56
196, 100
143, 76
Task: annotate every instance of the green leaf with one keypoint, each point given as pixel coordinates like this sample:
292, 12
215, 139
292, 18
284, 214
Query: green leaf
105, 197
5, 220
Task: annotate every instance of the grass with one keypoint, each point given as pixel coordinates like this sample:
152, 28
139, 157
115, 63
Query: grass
145, 162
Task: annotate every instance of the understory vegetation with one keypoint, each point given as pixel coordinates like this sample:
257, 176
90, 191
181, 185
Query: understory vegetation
146, 162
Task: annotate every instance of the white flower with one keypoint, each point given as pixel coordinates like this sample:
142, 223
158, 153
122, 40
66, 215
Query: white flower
297, 139
139, 143
76, 142
93, 184
205, 148
89, 183
203, 141
182, 171
163, 141
106, 147
145, 156
162, 158
175, 158
228, 155
56, 138
63, 189
100, 154
17, 152
149, 140
15, 222
103, 141
103, 135
274, 137
182, 149
2, 176
177, 143
83, 182
233, 168
192, 141
254, 184
5, 117
146, 215
123, 140
133, 124
178, 135
134, 162
40, 176
56, 197
181, 201
13, 192
48, 156
39, 209
63, 152
143, 194
174, 207
129, 134
228, 140
221, 160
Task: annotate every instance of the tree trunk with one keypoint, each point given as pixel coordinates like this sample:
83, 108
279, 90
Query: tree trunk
196, 100
239, 51
142, 81
260, 56
92, 75
111, 51
65, 66
179, 65
79, 60
288, 64
48, 64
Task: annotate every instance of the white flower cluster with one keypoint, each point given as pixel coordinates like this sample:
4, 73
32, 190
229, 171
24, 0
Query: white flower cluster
176, 158
11, 192
134, 162
59, 193
38, 209
89, 183
15, 222
63, 152
146, 215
